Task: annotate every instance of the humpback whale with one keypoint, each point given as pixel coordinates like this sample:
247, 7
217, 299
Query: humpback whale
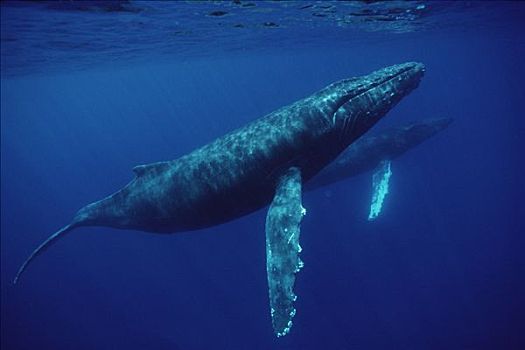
376, 152
263, 163
367, 152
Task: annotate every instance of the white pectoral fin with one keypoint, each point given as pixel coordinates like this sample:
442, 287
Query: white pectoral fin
380, 183
282, 248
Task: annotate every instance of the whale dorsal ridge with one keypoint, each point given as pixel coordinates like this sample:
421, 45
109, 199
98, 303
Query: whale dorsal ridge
141, 170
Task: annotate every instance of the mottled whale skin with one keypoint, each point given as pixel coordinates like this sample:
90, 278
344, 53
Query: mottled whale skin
265, 162
367, 152
237, 173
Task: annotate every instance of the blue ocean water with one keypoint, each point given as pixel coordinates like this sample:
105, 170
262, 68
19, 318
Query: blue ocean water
91, 89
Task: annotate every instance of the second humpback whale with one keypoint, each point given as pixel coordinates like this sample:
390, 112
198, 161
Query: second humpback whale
376, 152
367, 152
264, 162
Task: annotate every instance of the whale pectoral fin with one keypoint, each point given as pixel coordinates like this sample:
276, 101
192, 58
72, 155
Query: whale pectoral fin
380, 183
282, 248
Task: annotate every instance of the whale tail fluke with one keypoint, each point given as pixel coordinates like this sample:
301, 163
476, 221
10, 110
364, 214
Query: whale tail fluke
42, 247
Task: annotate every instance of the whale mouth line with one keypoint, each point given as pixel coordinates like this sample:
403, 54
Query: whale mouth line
416, 67
404, 72
386, 89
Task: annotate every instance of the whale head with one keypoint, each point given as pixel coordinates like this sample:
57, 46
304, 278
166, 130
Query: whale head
355, 105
